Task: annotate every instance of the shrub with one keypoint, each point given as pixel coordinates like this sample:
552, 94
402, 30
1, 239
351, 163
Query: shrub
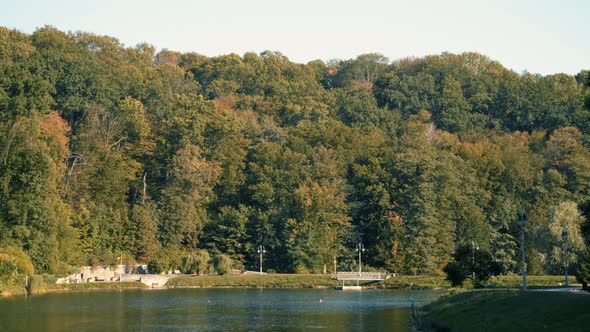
22, 261
36, 282
8, 273
223, 264
470, 263
300, 269
196, 262
157, 265
166, 260
15, 265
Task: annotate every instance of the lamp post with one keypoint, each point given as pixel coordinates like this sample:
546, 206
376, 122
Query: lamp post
564, 237
360, 248
335, 264
473, 248
522, 221
261, 251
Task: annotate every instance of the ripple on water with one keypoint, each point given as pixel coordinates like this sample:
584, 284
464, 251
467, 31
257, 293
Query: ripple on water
213, 309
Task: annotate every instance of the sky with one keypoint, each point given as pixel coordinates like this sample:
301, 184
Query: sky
537, 36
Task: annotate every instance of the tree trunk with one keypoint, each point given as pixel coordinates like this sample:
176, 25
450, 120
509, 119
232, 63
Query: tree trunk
144, 188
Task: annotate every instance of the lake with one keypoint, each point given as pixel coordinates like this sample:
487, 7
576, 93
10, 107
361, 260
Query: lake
213, 309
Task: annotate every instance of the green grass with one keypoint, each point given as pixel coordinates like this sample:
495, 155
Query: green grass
303, 281
515, 282
40, 287
46, 284
414, 282
253, 280
319, 280
86, 286
532, 281
508, 310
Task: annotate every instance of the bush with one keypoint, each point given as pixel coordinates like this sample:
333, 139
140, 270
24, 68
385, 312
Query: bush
301, 269
15, 265
470, 263
173, 258
49, 278
223, 264
8, 274
166, 260
157, 265
36, 282
22, 261
196, 262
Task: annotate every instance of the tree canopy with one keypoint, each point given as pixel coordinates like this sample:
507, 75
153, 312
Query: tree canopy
107, 150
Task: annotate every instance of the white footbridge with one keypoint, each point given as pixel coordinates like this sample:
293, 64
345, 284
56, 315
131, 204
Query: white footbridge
358, 276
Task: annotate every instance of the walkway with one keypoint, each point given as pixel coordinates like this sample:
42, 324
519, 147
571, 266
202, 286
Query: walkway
362, 276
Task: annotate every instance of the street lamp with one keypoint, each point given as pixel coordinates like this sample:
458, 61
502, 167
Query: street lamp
473, 248
564, 237
360, 248
335, 264
261, 251
522, 221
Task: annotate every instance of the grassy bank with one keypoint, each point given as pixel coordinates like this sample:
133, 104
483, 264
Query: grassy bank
303, 281
507, 310
86, 286
532, 281
511, 282
319, 280
254, 280
41, 288
47, 284
414, 282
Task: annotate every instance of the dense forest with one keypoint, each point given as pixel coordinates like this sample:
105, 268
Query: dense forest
110, 152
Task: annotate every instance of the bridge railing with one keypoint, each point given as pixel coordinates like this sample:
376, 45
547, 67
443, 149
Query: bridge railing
349, 275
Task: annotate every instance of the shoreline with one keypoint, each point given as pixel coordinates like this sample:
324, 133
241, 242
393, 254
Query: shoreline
107, 286
146, 288
285, 281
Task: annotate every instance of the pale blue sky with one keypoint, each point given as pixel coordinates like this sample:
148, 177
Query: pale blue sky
542, 36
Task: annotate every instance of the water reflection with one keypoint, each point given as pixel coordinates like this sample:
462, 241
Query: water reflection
213, 310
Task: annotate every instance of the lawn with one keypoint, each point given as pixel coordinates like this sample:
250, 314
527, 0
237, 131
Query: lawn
508, 310
86, 286
254, 280
324, 280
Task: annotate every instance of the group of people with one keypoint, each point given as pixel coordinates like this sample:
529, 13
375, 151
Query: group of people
81, 278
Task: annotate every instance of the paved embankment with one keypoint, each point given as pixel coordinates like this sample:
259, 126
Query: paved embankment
91, 274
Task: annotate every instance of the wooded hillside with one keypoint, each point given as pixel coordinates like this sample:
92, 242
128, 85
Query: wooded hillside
108, 150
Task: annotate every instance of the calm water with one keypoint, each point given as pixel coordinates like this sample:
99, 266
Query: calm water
212, 310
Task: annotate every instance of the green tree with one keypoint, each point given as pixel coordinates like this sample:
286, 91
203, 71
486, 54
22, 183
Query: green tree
583, 272
565, 216
223, 264
227, 233
186, 196
197, 261
144, 231
472, 263
319, 226
567, 155
365, 68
